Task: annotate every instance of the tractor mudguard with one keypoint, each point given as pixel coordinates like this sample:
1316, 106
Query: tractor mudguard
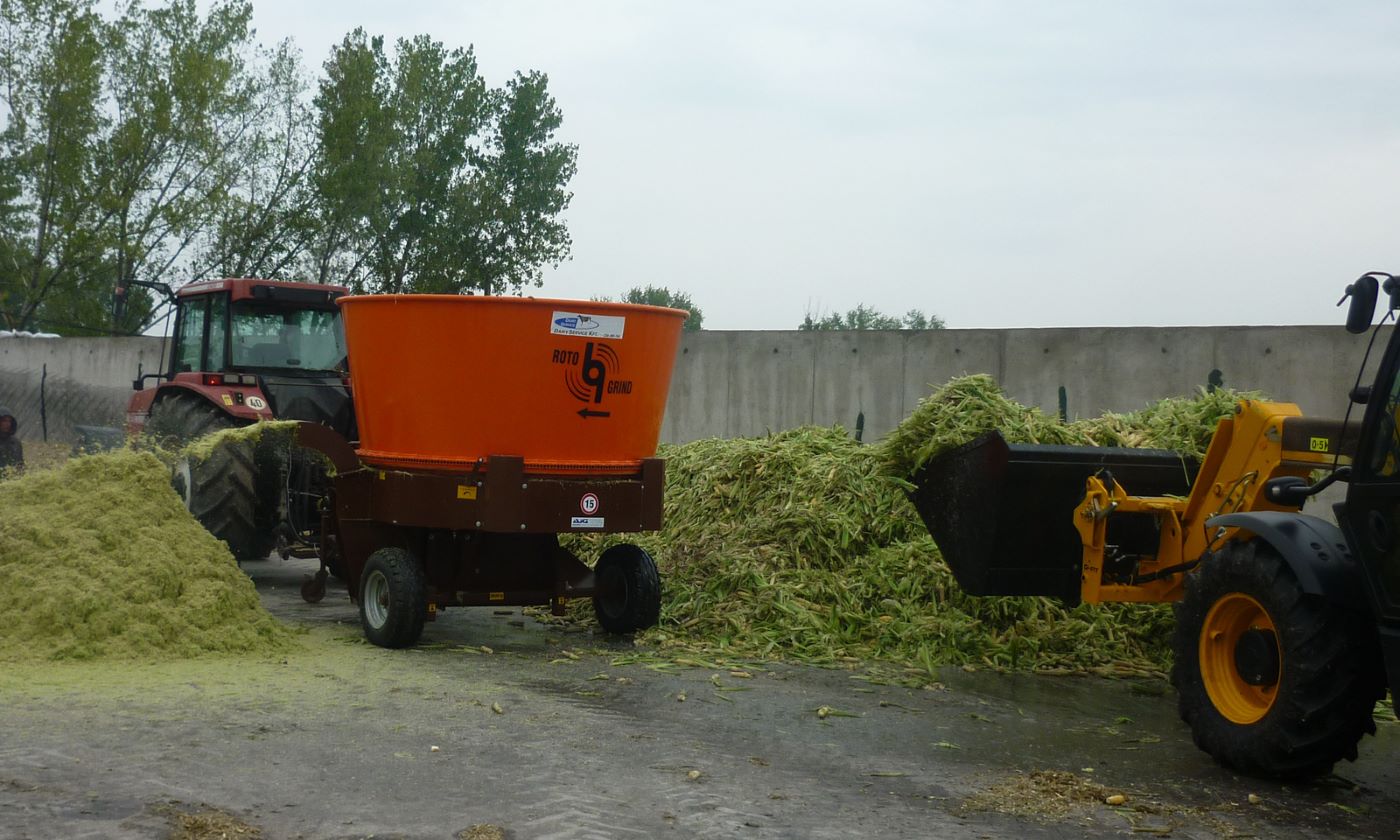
1315, 549
242, 402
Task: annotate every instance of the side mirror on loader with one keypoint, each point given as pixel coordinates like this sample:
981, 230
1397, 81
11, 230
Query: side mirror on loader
1363, 303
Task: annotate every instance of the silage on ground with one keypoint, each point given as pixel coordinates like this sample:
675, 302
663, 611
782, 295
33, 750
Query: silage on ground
802, 545
99, 558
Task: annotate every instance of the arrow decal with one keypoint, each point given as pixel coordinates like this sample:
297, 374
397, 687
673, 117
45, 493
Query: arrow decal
586, 413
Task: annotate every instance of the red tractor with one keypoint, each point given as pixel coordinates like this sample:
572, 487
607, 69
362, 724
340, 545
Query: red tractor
246, 350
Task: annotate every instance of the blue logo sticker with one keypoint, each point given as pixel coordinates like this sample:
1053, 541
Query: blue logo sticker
577, 322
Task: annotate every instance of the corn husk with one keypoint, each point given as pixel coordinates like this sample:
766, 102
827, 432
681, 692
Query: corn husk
803, 546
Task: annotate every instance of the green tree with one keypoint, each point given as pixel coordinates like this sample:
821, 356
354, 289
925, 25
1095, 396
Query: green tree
120, 138
51, 83
184, 101
662, 296
429, 180
867, 318
268, 224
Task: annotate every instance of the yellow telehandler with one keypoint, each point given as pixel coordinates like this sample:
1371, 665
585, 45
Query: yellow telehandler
1288, 626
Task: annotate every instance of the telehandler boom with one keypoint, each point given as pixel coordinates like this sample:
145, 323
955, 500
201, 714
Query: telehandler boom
1288, 625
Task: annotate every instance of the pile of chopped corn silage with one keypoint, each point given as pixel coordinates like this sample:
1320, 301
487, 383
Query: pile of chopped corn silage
802, 545
99, 559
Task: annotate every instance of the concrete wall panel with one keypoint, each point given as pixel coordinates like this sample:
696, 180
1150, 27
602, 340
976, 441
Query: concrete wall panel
859, 381
698, 403
933, 357
771, 377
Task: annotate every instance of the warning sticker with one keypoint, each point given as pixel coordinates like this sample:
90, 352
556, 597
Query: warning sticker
586, 522
587, 326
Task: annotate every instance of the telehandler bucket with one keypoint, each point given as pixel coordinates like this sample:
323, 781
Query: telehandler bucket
1003, 514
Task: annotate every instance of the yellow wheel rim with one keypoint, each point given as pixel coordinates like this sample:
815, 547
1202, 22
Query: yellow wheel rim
1228, 620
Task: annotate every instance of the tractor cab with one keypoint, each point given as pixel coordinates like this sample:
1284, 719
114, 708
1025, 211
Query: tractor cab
256, 350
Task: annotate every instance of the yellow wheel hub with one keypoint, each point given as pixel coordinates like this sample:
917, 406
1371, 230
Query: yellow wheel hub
1230, 620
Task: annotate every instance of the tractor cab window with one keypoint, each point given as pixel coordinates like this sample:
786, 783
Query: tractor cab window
218, 332
189, 352
272, 336
1385, 451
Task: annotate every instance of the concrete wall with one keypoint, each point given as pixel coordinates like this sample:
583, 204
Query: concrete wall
749, 383
88, 381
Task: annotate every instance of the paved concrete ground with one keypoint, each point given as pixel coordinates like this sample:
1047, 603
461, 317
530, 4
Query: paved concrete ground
544, 736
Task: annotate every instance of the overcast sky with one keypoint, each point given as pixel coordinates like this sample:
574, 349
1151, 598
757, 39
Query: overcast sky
999, 164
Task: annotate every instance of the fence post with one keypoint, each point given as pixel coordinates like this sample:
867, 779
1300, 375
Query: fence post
43, 402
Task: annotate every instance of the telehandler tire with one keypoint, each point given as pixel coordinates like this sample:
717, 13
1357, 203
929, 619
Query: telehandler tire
629, 589
222, 491
1273, 682
393, 598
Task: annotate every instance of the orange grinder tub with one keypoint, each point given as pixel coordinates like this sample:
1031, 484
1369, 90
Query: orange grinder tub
447, 381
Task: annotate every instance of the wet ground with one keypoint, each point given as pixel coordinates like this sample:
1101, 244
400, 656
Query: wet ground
514, 728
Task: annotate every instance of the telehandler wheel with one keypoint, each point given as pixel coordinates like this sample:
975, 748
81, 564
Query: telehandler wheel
1272, 681
393, 598
629, 589
220, 490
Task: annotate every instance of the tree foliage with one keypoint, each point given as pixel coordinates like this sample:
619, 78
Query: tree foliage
268, 225
432, 181
867, 318
51, 78
662, 296
163, 143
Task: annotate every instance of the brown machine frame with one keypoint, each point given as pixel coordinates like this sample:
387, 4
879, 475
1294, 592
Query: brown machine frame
485, 537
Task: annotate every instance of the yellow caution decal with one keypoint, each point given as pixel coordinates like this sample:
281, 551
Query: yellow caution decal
497, 596
466, 491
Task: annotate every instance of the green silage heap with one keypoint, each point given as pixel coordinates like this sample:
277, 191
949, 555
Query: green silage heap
99, 559
802, 546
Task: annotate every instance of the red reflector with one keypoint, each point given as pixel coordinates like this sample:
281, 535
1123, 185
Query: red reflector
213, 379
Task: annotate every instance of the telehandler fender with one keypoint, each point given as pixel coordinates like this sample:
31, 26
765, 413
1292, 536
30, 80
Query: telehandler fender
1314, 549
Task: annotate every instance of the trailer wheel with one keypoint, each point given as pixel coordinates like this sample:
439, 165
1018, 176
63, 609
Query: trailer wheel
629, 589
1272, 681
393, 598
221, 490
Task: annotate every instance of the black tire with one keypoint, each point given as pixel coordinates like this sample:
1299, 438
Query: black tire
1309, 703
628, 596
222, 491
393, 598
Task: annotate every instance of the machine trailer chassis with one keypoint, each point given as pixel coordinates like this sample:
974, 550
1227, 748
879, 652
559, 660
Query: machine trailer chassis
485, 537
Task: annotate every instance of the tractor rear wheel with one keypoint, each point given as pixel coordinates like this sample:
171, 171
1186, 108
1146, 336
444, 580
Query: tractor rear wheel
1273, 681
393, 598
221, 490
628, 589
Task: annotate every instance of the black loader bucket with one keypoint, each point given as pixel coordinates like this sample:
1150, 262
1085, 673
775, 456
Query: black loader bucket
1003, 514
